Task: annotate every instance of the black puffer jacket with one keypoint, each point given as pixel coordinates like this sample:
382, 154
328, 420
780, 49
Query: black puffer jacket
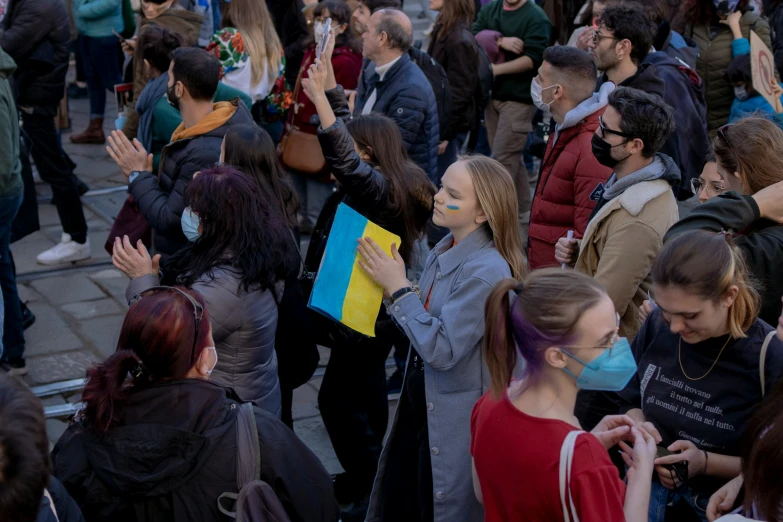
36, 34
161, 197
360, 186
173, 451
457, 52
405, 95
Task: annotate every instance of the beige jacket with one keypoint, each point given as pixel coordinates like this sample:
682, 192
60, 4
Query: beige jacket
621, 242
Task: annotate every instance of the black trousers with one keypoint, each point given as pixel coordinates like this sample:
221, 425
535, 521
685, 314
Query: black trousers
355, 408
56, 169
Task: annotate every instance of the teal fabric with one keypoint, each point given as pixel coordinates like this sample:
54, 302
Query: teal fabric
97, 18
166, 119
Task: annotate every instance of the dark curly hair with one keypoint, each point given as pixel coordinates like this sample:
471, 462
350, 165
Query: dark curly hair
241, 229
644, 116
630, 21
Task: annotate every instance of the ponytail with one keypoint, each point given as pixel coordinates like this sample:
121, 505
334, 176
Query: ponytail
543, 314
107, 386
500, 351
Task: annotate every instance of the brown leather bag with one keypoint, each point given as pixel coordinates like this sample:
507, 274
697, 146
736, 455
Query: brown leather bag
299, 150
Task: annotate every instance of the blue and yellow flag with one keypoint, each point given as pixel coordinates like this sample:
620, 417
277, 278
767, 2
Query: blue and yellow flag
342, 290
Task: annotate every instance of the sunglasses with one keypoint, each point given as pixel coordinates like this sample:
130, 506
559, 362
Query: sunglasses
606, 130
198, 310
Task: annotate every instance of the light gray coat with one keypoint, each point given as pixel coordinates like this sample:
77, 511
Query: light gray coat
243, 327
448, 339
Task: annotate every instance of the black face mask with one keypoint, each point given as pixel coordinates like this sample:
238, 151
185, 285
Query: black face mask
171, 96
602, 151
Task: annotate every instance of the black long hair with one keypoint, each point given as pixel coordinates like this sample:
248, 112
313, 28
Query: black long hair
411, 192
240, 229
251, 150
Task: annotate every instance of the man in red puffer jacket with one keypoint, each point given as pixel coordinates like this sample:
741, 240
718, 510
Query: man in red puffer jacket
571, 179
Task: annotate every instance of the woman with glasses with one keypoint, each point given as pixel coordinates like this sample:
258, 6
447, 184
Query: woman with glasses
749, 159
705, 361
710, 182
240, 251
564, 327
157, 440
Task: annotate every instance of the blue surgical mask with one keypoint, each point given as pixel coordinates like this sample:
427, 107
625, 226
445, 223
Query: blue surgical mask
610, 371
190, 223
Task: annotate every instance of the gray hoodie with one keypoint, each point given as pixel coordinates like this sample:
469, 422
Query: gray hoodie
594, 103
10, 167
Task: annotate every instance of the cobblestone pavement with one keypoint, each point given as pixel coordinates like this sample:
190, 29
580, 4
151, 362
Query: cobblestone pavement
79, 307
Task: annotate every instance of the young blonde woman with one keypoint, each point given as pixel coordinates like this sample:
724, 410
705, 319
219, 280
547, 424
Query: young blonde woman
252, 59
424, 472
705, 362
564, 327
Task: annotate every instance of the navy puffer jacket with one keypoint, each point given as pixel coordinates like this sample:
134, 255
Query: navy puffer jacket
405, 96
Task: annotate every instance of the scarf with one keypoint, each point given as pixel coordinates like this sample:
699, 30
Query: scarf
615, 187
154, 91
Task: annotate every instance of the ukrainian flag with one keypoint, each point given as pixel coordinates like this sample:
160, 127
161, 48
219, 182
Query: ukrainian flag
342, 290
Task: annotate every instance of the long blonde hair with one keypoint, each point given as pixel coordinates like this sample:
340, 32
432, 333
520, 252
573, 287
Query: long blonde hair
251, 18
497, 197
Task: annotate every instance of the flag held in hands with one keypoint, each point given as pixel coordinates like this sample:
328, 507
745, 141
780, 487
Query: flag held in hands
342, 290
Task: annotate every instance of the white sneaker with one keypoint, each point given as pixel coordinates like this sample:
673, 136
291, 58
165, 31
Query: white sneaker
67, 251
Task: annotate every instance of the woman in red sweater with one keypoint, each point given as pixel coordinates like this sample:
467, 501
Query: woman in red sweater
565, 327
315, 187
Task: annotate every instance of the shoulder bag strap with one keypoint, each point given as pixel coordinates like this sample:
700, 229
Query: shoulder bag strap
51, 504
763, 360
566, 460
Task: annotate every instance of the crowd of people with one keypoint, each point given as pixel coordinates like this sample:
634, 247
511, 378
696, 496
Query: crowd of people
584, 306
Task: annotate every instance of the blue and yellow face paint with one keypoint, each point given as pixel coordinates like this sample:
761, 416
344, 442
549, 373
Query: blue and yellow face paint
452, 208
342, 290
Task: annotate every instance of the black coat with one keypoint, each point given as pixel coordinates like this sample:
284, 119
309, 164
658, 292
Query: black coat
161, 197
36, 34
173, 451
405, 95
457, 52
760, 240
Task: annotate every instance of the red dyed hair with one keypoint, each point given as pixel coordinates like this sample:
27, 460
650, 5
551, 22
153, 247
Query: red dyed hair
158, 335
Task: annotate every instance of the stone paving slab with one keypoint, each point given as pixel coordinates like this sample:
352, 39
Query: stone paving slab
68, 289
50, 333
91, 309
103, 333
112, 281
60, 367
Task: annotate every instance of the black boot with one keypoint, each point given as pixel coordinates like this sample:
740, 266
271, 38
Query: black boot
28, 317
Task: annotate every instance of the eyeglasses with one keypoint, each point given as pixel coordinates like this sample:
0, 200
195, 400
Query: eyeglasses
198, 310
597, 37
698, 184
609, 346
605, 130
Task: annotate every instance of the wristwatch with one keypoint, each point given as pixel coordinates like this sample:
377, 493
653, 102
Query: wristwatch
133, 176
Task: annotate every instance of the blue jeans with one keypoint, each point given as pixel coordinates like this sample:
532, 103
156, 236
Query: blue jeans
12, 346
660, 497
101, 62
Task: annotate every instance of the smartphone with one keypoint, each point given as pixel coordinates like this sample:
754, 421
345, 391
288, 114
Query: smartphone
680, 469
321, 47
122, 40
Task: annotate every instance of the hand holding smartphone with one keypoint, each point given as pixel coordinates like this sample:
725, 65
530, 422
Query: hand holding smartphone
321, 46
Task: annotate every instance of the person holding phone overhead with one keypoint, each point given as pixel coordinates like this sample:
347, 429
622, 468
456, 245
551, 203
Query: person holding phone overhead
703, 333
315, 186
377, 179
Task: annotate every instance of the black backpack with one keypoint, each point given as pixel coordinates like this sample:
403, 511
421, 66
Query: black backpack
436, 75
486, 79
256, 500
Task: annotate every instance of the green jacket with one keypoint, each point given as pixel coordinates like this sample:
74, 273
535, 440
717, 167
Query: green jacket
530, 24
714, 58
10, 166
166, 119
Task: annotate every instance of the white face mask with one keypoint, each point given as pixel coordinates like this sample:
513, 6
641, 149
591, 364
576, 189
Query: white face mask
741, 93
536, 93
214, 350
318, 30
